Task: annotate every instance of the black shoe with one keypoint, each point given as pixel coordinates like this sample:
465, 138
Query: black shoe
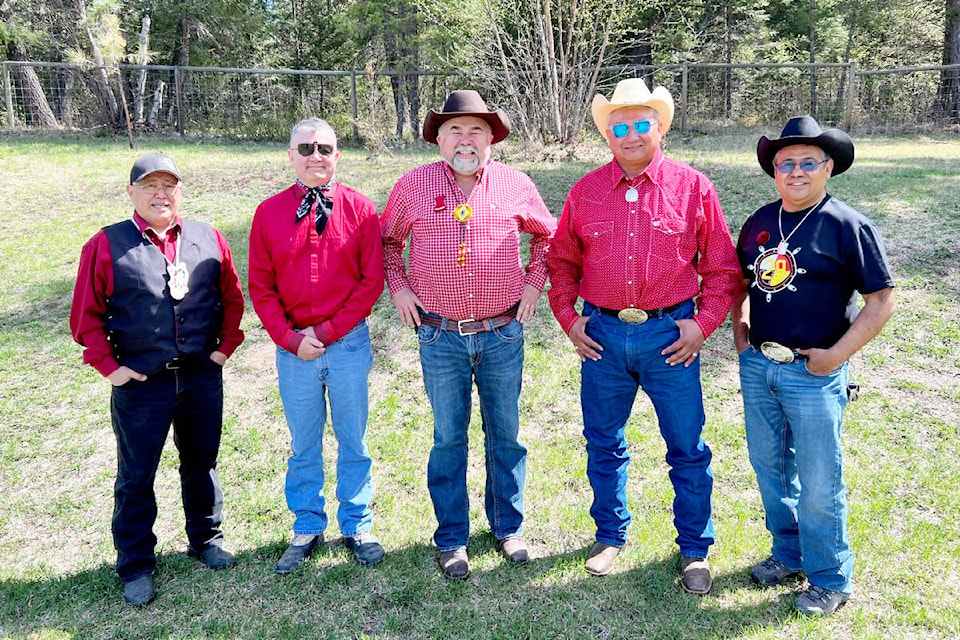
297, 554
772, 572
139, 591
366, 548
695, 576
214, 556
455, 564
817, 601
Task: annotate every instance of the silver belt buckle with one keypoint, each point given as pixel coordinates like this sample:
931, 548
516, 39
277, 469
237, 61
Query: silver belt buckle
632, 316
460, 327
776, 352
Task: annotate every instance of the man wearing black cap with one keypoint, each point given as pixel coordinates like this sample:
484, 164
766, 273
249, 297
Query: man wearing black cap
805, 257
157, 306
468, 294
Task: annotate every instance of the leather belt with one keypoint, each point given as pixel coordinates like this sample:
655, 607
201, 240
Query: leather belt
638, 316
470, 326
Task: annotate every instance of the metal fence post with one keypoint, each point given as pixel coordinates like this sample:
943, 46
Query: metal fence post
8, 95
683, 99
851, 96
353, 104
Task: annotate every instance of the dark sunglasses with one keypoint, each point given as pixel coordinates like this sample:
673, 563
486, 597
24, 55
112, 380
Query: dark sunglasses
807, 166
640, 126
306, 149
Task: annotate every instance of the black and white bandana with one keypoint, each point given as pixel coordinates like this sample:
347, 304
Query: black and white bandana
324, 204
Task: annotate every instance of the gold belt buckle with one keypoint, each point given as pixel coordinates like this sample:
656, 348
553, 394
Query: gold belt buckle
632, 316
776, 352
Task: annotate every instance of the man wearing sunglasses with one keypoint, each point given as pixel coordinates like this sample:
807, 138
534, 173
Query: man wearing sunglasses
316, 270
157, 306
467, 293
795, 325
643, 241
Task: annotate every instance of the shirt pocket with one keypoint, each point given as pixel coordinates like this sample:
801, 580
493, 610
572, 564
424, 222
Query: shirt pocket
666, 237
597, 240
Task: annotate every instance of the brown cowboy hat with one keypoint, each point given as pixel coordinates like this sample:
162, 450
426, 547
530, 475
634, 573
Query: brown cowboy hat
462, 103
806, 130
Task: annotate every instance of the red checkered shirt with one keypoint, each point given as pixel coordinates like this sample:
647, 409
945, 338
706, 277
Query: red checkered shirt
505, 203
670, 245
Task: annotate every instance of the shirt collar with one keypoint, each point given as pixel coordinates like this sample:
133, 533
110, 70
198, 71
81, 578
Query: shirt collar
143, 226
480, 171
652, 171
301, 189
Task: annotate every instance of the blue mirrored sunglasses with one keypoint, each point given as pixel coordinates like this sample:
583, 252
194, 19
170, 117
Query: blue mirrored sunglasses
807, 166
640, 126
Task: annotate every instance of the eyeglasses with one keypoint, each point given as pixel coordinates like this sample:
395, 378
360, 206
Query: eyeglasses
807, 166
153, 189
306, 149
640, 126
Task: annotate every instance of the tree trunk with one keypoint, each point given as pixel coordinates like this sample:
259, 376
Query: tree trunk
36, 109
813, 58
98, 79
181, 58
142, 58
949, 93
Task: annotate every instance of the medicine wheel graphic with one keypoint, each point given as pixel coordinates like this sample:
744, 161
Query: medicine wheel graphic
775, 271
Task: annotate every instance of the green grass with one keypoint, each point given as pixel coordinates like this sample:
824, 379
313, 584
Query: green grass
57, 457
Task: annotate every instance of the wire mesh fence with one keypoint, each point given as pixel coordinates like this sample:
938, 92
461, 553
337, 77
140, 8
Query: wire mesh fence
378, 106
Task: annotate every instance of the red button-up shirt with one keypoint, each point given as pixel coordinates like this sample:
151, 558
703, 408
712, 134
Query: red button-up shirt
504, 203
670, 245
299, 279
95, 284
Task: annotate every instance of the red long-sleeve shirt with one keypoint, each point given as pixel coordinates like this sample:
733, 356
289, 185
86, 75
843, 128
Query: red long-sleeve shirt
299, 279
669, 245
95, 284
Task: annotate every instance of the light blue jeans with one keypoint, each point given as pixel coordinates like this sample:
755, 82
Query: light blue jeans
451, 365
339, 375
793, 421
631, 361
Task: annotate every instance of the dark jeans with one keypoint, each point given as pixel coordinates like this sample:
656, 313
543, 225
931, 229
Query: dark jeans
191, 399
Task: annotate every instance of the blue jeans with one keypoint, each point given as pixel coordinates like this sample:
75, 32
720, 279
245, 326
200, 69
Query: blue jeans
339, 375
451, 364
192, 399
793, 421
631, 361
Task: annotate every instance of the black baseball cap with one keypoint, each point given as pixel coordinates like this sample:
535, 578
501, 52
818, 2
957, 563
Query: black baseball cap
151, 163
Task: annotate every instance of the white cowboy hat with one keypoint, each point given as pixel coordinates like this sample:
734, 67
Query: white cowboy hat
633, 92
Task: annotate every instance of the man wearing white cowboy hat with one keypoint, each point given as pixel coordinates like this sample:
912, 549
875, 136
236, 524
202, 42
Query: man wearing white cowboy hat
468, 294
795, 325
643, 241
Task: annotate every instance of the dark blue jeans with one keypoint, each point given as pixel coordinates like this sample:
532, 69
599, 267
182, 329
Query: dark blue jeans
631, 361
192, 400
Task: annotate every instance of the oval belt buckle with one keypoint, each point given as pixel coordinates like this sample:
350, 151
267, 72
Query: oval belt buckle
632, 316
776, 352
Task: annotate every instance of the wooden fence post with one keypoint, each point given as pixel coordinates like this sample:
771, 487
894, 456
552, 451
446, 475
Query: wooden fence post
683, 99
851, 96
178, 91
353, 105
8, 95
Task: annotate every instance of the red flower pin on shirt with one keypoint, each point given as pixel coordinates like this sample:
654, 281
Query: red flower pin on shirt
763, 237
440, 206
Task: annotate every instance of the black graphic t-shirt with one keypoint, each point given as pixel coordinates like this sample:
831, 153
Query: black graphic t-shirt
803, 295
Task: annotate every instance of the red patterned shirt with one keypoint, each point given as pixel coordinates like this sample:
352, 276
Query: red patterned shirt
504, 204
669, 245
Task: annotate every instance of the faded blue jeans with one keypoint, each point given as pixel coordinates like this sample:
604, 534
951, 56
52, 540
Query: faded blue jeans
340, 376
630, 361
793, 421
451, 365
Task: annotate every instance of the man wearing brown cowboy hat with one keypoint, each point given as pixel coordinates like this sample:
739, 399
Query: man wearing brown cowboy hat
795, 325
468, 294
643, 241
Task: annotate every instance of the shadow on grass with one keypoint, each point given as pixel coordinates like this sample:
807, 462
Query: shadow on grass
405, 596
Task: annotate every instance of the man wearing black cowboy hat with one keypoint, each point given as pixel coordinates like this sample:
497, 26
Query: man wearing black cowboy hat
795, 325
468, 294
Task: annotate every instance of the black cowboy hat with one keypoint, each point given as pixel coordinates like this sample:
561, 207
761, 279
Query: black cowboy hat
806, 130
466, 103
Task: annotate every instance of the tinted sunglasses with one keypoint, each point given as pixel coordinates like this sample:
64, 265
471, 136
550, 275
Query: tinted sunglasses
306, 149
807, 166
640, 126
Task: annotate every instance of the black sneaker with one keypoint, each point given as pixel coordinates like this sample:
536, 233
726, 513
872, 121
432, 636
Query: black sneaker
214, 557
297, 553
817, 601
772, 572
139, 591
366, 548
